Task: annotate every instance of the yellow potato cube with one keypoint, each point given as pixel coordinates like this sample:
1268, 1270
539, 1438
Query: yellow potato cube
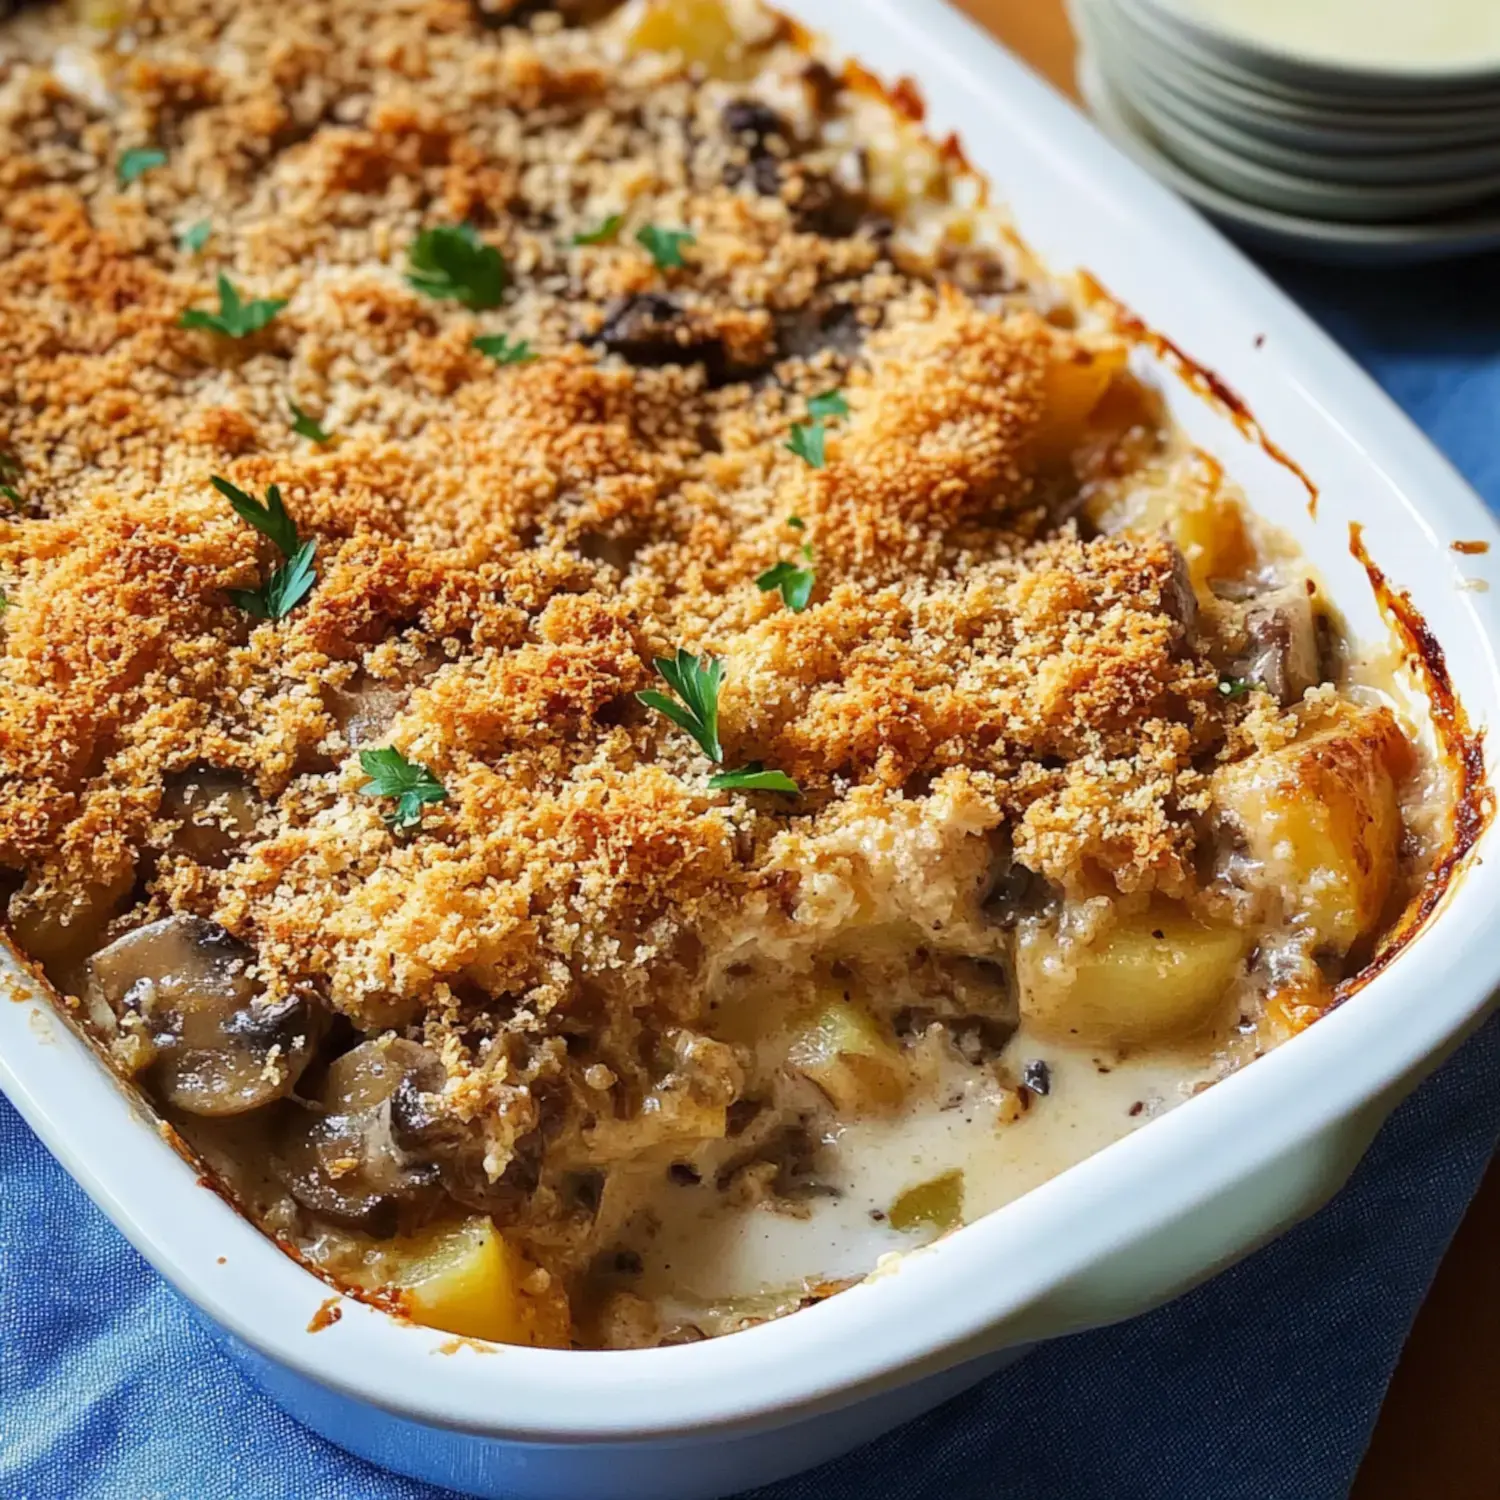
1207, 526
1073, 385
846, 1054
1151, 977
701, 30
1321, 820
468, 1279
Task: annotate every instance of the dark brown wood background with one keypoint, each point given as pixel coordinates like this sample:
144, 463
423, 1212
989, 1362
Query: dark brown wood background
1439, 1434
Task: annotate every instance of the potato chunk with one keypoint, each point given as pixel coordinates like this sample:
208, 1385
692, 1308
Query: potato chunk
1321, 821
1207, 526
468, 1279
701, 30
1071, 388
841, 1049
1151, 977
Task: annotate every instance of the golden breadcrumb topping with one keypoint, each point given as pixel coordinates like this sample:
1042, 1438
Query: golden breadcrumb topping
505, 544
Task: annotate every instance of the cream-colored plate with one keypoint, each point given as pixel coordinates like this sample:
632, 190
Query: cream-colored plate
1290, 234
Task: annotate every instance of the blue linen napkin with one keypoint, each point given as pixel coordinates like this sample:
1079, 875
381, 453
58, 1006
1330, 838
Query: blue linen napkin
110, 1390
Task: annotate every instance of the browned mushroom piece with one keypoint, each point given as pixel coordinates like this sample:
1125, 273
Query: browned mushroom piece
214, 1045
974, 1000
493, 14
215, 812
1284, 641
1281, 650
366, 708
339, 1155
59, 929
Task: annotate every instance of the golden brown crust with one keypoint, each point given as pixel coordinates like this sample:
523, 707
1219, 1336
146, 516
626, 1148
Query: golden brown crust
508, 546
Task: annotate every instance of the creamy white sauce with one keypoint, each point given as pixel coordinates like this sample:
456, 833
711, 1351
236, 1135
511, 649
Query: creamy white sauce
701, 1251
1396, 34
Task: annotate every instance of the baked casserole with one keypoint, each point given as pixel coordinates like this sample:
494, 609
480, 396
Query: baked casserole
612, 702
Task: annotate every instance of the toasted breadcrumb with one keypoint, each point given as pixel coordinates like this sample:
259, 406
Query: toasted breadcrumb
503, 549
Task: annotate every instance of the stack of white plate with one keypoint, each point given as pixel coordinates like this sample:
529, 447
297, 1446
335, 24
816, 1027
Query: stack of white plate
1347, 129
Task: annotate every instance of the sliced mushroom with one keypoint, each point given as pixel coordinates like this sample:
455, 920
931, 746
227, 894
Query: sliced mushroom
491, 15
215, 811
821, 204
1180, 602
834, 327
60, 929
752, 122
366, 708
339, 1156
213, 1044
974, 1000
649, 330
1281, 643
1009, 890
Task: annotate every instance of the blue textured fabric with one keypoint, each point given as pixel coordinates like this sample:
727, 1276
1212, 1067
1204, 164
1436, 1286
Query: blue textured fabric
109, 1390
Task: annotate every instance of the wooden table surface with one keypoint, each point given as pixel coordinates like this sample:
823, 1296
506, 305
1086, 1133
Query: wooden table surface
1439, 1433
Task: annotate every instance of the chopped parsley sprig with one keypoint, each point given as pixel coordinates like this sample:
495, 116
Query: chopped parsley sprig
794, 584
605, 234
309, 427
808, 439
284, 590
754, 778
270, 518
235, 319
196, 236
10, 468
1238, 687
500, 349
664, 246
289, 584
697, 681
137, 162
452, 263
410, 783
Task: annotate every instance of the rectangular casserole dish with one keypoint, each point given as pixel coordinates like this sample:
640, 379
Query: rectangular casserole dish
1138, 1223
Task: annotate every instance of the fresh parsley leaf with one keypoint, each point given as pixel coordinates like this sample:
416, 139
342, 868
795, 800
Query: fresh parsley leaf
308, 427
4, 602
754, 778
196, 236
411, 784
269, 519
451, 262
500, 349
234, 319
807, 442
284, 590
136, 163
665, 245
1238, 687
809, 439
796, 523
10, 465
604, 235
9, 491
696, 681
795, 584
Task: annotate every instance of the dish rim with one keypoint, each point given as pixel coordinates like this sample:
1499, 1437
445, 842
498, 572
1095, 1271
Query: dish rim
939, 1300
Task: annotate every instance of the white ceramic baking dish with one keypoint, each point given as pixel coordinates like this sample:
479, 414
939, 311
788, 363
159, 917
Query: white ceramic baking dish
1140, 1222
